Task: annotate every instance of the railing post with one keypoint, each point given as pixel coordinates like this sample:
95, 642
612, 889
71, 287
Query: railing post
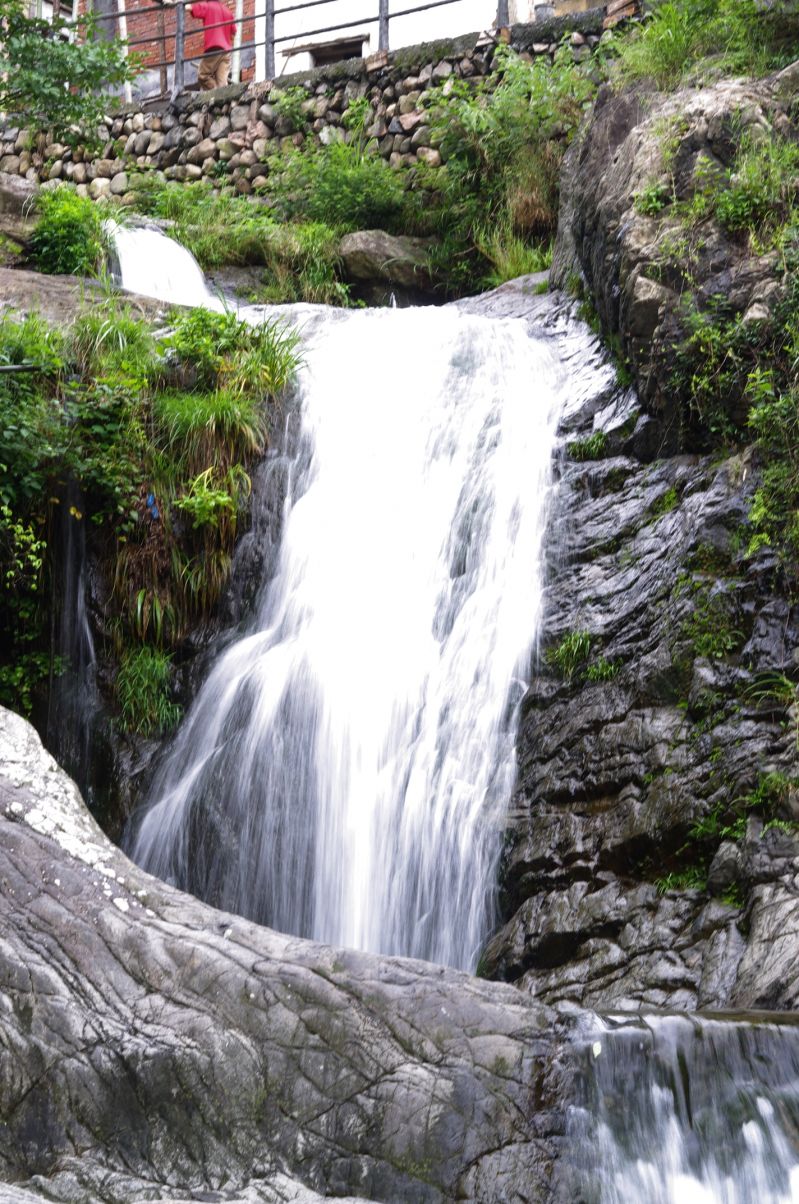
382, 40
180, 37
270, 39
503, 16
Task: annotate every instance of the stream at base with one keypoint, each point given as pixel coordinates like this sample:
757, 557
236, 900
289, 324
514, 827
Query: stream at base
676, 1109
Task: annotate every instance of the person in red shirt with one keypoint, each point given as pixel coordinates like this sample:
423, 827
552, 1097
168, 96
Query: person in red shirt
219, 29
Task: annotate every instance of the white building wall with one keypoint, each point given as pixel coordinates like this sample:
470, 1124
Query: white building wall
462, 16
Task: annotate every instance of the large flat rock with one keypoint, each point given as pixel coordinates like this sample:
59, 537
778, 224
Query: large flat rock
59, 299
152, 1047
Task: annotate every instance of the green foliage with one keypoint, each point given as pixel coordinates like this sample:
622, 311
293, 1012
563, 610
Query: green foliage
602, 670
503, 140
570, 654
726, 820
289, 105
103, 342
21, 614
206, 504
593, 447
142, 688
31, 431
68, 238
301, 259
709, 627
231, 354
652, 199
683, 37
54, 82
774, 418
342, 185
510, 255
667, 502
692, 877
159, 434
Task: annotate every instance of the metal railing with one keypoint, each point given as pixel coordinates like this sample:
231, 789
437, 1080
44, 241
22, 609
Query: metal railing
120, 16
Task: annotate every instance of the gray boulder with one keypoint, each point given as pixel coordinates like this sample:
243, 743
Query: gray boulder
376, 257
153, 1046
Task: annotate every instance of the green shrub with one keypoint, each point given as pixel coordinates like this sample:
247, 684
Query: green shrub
510, 255
101, 342
343, 185
679, 36
219, 427
142, 688
709, 627
31, 427
68, 238
652, 199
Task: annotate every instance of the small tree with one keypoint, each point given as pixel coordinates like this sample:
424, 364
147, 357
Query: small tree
53, 83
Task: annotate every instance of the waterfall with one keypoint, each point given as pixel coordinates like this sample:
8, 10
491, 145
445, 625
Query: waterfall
686, 1110
149, 263
74, 702
344, 770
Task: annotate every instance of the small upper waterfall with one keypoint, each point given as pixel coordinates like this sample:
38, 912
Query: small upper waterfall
149, 263
686, 1110
344, 770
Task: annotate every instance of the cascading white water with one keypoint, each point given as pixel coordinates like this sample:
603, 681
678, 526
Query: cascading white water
344, 770
686, 1110
152, 265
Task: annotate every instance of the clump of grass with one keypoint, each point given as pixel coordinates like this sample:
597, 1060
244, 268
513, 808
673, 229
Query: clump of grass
683, 37
593, 447
117, 341
510, 255
219, 426
571, 653
142, 688
602, 670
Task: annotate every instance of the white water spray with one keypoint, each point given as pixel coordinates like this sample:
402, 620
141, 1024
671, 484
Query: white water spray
344, 772
155, 266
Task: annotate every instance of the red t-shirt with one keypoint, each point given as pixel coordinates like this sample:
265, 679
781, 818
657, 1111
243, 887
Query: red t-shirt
211, 12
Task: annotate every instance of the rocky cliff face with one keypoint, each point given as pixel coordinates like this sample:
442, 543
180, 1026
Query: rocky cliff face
652, 852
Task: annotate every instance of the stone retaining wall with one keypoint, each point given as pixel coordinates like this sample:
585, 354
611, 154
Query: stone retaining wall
228, 135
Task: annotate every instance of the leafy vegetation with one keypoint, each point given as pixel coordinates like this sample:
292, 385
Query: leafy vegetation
710, 626
159, 433
591, 448
694, 38
344, 185
53, 81
571, 653
68, 238
142, 688
300, 258
503, 140
726, 820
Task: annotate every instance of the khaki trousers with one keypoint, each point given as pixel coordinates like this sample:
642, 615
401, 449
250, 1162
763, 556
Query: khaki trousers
213, 71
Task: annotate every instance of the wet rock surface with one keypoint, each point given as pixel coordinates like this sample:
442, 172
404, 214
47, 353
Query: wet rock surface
651, 856
152, 1047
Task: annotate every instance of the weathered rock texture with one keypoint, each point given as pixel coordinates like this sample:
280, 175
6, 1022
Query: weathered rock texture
229, 135
646, 271
625, 779
153, 1047
60, 299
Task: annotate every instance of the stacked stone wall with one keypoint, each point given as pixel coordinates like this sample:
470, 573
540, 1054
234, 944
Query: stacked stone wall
228, 136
